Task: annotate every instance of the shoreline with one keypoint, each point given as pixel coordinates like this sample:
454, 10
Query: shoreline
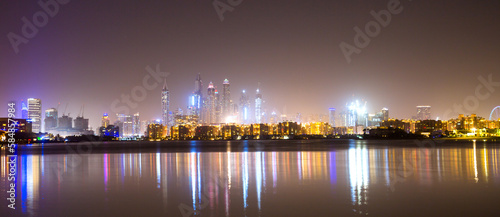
238, 145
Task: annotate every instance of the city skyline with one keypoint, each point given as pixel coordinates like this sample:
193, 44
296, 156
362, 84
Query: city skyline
89, 65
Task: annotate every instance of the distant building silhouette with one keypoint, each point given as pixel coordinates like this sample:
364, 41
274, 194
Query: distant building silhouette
423, 112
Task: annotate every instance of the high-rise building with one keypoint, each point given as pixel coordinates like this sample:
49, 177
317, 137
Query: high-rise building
105, 120
423, 112
226, 101
244, 108
196, 100
24, 111
218, 107
385, 114
178, 112
65, 123
258, 107
298, 117
81, 123
50, 119
211, 105
274, 118
35, 114
125, 124
136, 125
331, 117
165, 105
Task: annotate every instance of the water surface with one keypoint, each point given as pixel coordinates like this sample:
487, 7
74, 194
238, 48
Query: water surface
346, 178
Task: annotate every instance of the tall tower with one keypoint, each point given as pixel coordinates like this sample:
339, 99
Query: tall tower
195, 101
331, 114
226, 100
24, 110
165, 104
258, 107
218, 107
136, 125
35, 114
211, 104
105, 120
385, 114
244, 108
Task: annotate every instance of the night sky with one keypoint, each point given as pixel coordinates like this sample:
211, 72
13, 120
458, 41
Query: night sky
91, 52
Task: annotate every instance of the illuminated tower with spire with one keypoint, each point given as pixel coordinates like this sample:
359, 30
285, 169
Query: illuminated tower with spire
165, 104
244, 108
258, 107
211, 104
195, 101
226, 101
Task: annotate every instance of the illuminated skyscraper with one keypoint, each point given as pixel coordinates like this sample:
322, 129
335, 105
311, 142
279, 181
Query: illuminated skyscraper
226, 101
258, 107
136, 125
35, 114
423, 112
50, 119
24, 111
211, 104
331, 114
244, 108
385, 114
105, 120
165, 105
125, 123
218, 107
195, 101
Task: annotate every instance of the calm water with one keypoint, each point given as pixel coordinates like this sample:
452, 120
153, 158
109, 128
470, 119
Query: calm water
349, 178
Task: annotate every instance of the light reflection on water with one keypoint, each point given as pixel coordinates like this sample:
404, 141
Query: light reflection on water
241, 183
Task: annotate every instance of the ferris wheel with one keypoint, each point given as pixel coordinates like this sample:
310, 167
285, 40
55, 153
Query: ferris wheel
495, 114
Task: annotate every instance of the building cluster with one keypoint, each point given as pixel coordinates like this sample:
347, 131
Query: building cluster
462, 126
282, 130
65, 125
213, 115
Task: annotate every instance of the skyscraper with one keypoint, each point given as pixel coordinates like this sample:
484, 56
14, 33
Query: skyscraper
244, 108
125, 123
105, 120
81, 124
50, 119
226, 100
218, 107
165, 104
385, 114
258, 107
136, 125
331, 114
196, 100
211, 104
423, 112
35, 114
24, 111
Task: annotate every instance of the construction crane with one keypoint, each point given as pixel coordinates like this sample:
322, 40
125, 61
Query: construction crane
65, 109
82, 109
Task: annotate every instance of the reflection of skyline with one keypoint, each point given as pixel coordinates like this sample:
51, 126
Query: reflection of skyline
221, 182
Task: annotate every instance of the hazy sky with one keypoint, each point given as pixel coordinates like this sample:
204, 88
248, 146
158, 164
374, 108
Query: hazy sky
91, 52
